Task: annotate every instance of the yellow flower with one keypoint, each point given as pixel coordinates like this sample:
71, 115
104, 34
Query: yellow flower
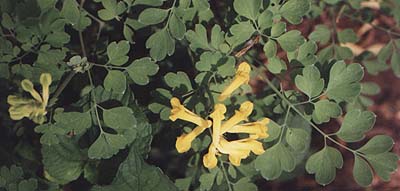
178, 111
34, 109
242, 77
237, 149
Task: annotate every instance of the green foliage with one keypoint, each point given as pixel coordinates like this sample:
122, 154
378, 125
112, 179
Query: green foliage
324, 163
116, 64
134, 173
12, 179
355, 124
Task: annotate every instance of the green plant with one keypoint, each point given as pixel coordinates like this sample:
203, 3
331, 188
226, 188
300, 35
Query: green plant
116, 64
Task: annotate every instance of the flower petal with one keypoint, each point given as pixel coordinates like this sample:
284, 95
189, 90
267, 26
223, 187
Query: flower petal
242, 77
45, 81
210, 159
179, 111
184, 142
217, 115
27, 85
244, 111
255, 129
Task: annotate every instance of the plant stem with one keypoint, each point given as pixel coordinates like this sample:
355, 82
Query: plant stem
95, 102
228, 182
304, 117
61, 87
388, 31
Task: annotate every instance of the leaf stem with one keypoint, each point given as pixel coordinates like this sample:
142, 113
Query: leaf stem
270, 84
61, 87
228, 182
388, 31
95, 102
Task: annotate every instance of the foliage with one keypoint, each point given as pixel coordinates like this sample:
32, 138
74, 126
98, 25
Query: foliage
115, 65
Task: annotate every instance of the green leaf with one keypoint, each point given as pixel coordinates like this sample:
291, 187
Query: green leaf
347, 35
247, 8
278, 29
74, 16
294, 10
320, 34
306, 53
385, 52
128, 33
107, 145
50, 133
270, 49
276, 65
384, 164
74, 121
7, 21
11, 179
265, 20
151, 16
115, 81
277, 159
217, 37
362, 172
177, 27
134, 174
64, 161
198, 38
57, 39
395, 62
291, 40
28, 185
178, 80
116, 52
310, 82
119, 118
370, 88
344, 81
378, 144
324, 163
207, 180
297, 138
325, 110
343, 53
244, 184
112, 9
274, 130
215, 61
355, 124
241, 32
232, 171
140, 70
183, 183
160, 44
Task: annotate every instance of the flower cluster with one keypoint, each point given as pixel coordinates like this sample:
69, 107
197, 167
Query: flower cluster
237, 149
34, 109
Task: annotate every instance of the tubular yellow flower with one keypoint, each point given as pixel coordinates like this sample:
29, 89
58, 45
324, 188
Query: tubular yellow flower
240, 149
240, 115
210, 159
27, 86
217, 116
237, 149
45, 81
242, 77
184, 142
256, 130
34, 109
179, 111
